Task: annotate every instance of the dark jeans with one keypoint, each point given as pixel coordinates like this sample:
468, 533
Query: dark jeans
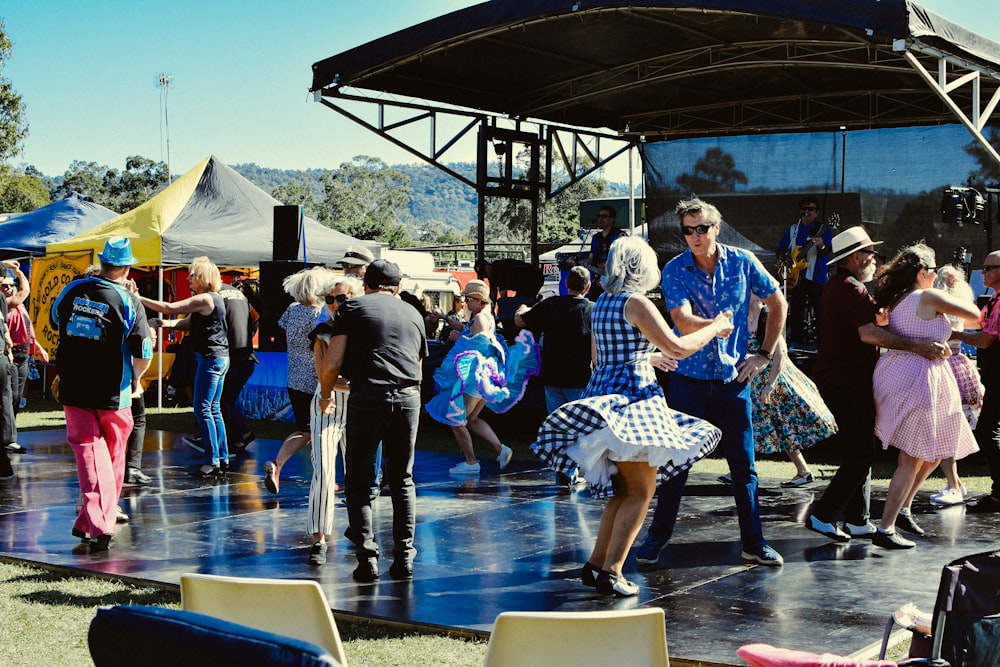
133, 451
241, 365
849, 492
19, 376
390, 418
727, 405
8, 429
986, 431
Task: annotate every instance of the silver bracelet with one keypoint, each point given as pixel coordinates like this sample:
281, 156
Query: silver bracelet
327, 398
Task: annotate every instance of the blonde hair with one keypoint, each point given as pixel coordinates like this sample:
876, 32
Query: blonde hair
206, 272
306, 285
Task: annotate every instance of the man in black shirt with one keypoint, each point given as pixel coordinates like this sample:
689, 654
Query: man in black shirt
563, 325
241, 324
378, 343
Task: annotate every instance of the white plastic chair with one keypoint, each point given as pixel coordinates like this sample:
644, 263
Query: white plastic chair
291, 607
581, 639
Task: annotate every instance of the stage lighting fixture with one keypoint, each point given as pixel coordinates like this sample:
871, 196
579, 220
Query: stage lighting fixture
962, 205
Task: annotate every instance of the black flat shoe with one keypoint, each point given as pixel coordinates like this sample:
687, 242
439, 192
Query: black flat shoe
612, 584
401, 570
212, 473
906, 522
366, 572
101, 544
589, 574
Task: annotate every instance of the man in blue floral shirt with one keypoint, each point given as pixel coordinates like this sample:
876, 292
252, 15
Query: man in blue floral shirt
707, 279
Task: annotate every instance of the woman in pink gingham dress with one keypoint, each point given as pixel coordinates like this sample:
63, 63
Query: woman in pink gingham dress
917, 405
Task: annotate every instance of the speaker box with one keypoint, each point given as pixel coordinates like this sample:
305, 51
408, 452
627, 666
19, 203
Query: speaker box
273, 302
287, 232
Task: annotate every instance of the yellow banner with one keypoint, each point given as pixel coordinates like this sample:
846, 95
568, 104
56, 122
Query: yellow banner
48, 277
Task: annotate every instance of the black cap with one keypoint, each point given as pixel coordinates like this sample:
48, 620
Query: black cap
382, 273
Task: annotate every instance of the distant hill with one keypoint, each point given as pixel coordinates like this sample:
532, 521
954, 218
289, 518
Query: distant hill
436, 194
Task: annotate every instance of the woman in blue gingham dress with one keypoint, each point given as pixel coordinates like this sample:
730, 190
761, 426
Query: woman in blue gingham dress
622, 431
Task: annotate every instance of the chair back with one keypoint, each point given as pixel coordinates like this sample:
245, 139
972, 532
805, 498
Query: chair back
293, 607
966, 629
581, 639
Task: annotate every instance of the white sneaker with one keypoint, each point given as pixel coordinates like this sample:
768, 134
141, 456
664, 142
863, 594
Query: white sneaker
864, 530
506, 453
948, 496
464, 468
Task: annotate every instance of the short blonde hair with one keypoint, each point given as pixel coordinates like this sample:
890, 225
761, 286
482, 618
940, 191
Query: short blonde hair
354, 286
306, 286
206, 272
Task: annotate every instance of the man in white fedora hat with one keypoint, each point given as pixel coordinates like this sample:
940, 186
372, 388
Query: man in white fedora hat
849, 339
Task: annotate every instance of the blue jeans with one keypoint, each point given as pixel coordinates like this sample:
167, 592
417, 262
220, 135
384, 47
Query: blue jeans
391, 418
209, 379
727, 405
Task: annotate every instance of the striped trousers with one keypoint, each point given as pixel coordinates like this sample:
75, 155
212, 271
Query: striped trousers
328, 436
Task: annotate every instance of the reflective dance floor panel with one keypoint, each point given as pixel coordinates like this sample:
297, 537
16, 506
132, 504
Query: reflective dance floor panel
497, 543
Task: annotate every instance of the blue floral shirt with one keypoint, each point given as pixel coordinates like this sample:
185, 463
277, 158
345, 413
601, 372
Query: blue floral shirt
737, 274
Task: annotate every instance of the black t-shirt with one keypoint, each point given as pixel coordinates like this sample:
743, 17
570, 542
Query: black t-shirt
386, 340
239, 326
563, 322
101, 328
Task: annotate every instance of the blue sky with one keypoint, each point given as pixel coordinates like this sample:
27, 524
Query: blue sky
87, 70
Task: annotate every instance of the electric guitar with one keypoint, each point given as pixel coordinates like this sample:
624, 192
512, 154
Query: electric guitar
792, 265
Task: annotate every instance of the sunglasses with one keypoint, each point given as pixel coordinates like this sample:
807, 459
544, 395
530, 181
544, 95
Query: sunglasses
339, 298
701, 229
808, 209
989, 267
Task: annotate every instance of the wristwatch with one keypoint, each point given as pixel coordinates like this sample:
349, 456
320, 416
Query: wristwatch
767, 355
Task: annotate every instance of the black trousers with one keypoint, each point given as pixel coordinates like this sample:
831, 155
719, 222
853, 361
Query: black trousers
986, 431
849, 492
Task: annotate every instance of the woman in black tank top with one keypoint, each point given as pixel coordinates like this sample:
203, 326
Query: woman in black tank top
206, 324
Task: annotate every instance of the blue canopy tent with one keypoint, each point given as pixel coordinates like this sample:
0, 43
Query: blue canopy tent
27, 234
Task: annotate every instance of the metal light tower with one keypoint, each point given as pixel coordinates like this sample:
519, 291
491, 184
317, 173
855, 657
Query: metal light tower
163, 80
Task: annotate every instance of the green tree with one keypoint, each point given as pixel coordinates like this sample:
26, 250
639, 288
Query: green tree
21, 190
368, 200
297, 192
13, 126
117, 190
509, 220
141, 179
87, 178
714, 172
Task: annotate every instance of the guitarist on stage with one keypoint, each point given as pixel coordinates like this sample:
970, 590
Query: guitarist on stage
600, 243
802, 251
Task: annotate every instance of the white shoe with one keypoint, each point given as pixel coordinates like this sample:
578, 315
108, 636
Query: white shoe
865, 530
506, 453
464, 468
948, 496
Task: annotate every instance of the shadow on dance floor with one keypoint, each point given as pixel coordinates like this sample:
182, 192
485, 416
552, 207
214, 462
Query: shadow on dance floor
496, 543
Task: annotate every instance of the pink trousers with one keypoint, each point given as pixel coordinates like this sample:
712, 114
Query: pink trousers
98, 439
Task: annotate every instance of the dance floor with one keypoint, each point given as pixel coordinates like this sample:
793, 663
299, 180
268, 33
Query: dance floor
496, 543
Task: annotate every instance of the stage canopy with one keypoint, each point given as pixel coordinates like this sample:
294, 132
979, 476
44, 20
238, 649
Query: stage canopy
686, 69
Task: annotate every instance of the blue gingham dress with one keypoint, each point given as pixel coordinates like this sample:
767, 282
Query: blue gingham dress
623, 415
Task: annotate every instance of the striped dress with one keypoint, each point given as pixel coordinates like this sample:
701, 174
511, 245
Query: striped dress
623, 415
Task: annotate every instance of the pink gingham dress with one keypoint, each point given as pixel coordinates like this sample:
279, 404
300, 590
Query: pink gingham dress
917, 406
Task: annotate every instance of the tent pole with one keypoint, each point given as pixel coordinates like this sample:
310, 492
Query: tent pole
159, 346
631, 193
